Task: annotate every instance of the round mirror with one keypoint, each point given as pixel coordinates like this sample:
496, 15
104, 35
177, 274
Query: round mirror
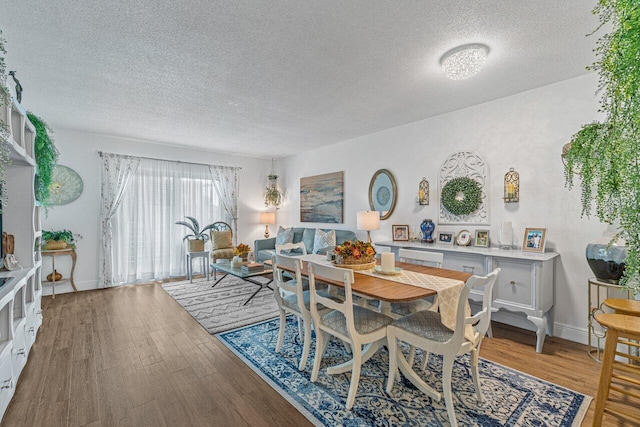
382, 193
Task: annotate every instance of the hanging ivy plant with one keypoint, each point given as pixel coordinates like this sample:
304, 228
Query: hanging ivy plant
606, 155
5, 99
461, 196
46, 158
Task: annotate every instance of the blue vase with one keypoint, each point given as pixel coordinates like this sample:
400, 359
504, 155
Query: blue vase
427, 227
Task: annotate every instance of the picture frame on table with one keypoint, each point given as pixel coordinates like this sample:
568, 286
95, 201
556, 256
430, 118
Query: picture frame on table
534, 239
445, 238
463, 238
400, 233
481, 239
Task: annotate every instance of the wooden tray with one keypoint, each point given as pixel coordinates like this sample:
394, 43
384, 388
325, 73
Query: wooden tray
366, 266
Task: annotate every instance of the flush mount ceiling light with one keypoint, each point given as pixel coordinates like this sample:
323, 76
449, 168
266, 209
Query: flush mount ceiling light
464, 61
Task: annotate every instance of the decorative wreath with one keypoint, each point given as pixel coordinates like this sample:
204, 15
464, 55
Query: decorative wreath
471, 196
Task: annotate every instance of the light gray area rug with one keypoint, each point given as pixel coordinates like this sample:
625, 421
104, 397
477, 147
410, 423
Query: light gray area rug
220, 309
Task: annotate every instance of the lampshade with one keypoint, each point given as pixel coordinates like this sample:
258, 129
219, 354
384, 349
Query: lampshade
368, 220
464, 61
267, 218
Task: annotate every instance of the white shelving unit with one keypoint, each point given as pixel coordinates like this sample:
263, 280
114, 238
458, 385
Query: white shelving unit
21, 295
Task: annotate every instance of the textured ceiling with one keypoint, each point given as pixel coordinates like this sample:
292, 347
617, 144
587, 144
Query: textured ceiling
274, 78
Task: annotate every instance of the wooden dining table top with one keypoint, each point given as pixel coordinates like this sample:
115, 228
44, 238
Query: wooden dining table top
380, 288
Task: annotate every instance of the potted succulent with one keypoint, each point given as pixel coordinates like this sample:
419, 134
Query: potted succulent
198, 237
58, 239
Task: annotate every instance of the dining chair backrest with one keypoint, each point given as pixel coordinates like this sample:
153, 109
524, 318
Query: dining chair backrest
421, 257
287, 264
482, 319
290, 247
317, 272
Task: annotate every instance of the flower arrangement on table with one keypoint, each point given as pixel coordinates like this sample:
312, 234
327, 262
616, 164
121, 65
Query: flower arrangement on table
242, 250
357, 252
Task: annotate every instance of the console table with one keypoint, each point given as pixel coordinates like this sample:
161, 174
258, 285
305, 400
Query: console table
61, 252
525, 284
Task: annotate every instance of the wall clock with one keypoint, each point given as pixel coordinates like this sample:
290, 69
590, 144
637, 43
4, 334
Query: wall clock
66, 185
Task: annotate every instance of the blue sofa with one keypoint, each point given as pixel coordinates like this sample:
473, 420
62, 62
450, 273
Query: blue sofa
265, 248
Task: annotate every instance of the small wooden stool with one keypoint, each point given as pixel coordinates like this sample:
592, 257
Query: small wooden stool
622, 329
624, 306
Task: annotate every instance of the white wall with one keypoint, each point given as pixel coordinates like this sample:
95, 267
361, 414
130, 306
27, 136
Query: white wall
525, 131
79, 150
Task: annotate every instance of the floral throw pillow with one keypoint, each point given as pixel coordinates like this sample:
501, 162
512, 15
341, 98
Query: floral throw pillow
285, 235
323, 240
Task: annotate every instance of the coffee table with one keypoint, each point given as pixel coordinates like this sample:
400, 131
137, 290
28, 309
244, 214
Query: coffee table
247, 277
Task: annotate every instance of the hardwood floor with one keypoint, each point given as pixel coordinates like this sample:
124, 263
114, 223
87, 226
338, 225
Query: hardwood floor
132, 356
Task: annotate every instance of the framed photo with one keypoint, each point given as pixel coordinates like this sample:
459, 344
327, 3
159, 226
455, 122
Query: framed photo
400, 233
445, 238
463, 238
534, 239
482, 239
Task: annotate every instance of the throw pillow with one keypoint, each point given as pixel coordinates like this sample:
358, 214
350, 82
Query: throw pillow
285, 235
221, 239
323, 240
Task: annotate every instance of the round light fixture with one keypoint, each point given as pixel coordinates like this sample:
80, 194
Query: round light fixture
464, 61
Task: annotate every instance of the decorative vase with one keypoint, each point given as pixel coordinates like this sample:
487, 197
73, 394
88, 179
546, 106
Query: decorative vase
196, 245
427, 226
54, 245
55, 276
607, 259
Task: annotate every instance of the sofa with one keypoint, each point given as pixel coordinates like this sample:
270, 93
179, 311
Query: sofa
265, 248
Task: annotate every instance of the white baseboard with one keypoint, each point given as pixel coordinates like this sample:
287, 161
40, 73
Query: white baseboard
65, 288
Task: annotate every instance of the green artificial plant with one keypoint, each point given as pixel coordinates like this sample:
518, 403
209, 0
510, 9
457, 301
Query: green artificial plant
605, 155
64, 235
46, 158
194, 226
5, 99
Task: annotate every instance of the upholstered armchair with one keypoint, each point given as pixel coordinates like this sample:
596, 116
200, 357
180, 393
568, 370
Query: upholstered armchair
221, 241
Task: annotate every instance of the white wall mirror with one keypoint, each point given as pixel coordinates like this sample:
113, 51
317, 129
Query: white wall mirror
383, 193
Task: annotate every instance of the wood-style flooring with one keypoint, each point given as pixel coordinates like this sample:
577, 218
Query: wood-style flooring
131, 356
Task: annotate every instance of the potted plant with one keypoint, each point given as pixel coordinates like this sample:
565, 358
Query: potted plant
605, 155
198, 237
59, 239
242, 250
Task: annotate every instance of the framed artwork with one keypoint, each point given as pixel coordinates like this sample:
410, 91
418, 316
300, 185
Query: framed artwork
482, 239
463, 238
400, 233
322, 198
534, 239
445, 238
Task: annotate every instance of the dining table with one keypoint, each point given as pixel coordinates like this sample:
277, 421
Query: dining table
386, 288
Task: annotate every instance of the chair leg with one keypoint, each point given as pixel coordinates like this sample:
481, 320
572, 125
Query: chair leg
321, 337
355, 375
447, 369
393, 358
300, 330
475, 374
283, 323
306, 346
425, 359
610, 346
412, 354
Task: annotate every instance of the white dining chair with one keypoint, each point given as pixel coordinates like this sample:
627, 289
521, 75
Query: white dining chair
289, 247
425, 330
350, 323
433, 259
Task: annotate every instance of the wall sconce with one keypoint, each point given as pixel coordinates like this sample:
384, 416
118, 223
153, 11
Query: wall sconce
423, 192
267, 218
511, 186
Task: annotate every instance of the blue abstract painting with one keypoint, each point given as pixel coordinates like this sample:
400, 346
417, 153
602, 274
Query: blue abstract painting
322, 198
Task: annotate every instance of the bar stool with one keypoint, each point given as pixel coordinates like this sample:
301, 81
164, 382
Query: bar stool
623, 306
622, 329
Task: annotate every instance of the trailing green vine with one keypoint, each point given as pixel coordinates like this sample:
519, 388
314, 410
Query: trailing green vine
606, 155
46, 158
461, 196
5, 99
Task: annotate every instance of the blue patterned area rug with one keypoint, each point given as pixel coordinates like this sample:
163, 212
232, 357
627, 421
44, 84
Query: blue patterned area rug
512, 398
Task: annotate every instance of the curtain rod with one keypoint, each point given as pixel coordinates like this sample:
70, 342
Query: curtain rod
166, 160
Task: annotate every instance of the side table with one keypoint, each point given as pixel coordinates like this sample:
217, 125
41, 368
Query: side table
64, 252
204, 262
598, 292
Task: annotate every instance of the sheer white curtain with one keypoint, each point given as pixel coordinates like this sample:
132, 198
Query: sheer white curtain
226, 181
147, 244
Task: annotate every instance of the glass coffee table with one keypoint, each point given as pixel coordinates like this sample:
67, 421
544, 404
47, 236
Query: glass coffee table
246, 276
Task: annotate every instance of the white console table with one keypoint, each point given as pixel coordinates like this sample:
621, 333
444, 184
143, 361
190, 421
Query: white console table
525, 284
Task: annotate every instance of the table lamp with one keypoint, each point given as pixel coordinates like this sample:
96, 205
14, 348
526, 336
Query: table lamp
368, 220
267, 218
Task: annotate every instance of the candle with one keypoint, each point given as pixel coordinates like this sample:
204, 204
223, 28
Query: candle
511, 190
388, 261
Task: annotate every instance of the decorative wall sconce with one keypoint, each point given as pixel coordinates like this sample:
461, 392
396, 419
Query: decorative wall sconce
511, 186
423, 192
